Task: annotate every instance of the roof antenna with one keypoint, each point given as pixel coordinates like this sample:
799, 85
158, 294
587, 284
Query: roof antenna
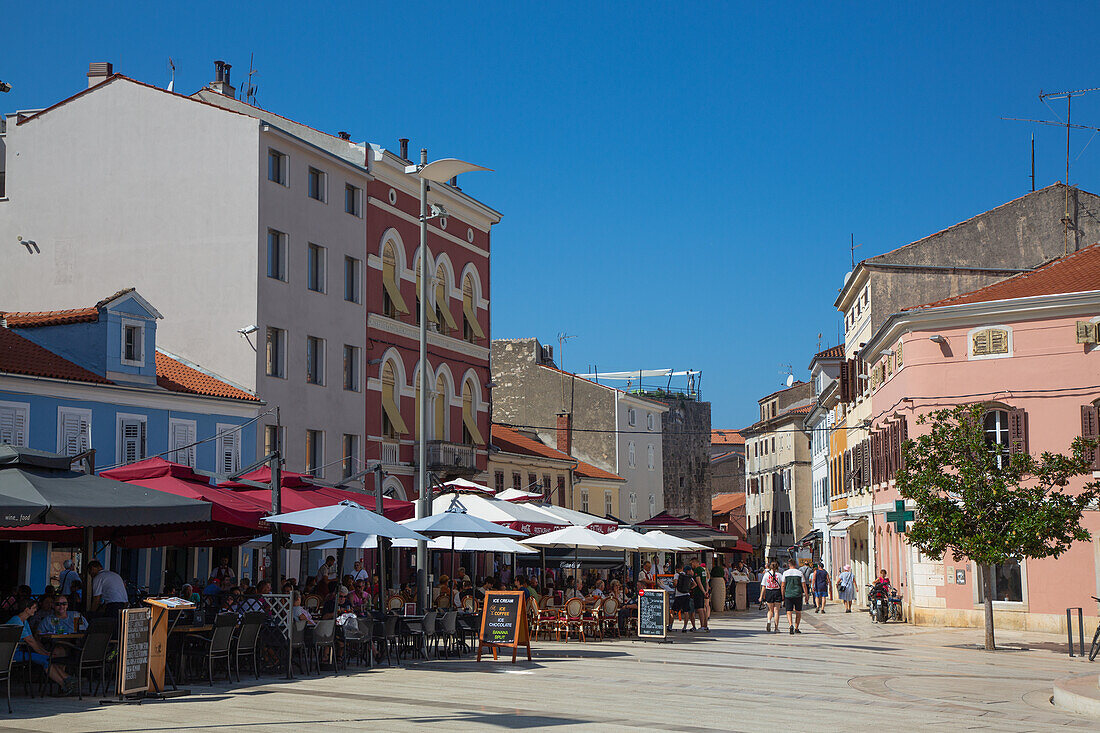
172, 74
789, 371
248, 93
854, 247
562, 338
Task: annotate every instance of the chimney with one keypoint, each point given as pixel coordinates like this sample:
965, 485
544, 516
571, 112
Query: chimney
404, 147
99, 71
565, 433
344, 135
221, 83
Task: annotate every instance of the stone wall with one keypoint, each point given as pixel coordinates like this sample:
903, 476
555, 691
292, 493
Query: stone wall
685, 437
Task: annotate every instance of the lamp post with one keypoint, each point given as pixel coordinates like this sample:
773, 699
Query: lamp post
439, 171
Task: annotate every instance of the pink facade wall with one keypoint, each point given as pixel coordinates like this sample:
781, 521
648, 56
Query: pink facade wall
1049, 375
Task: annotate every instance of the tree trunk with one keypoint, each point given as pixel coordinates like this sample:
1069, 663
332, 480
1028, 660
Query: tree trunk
987, 593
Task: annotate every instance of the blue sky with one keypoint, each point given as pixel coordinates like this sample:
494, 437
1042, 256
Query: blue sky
678, 181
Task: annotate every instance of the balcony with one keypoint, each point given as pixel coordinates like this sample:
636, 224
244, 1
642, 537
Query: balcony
451, 459
389, 452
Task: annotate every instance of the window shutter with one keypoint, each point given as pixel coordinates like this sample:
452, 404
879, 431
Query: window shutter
227, 453
845, 382
133, 440
74, 433
1087, 332
891, 455
183, 435
998, 341
1017, 431
1090, 430
980, 343
13, 426
903, 435
866, 463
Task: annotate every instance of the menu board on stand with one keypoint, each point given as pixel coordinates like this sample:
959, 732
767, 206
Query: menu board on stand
504, 623
133, 651
652, 614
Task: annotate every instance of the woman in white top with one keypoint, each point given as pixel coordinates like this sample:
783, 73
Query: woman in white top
299, 613
771, 592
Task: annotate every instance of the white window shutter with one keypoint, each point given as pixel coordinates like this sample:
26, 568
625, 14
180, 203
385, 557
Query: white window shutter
133, 440
182, 437
13, 426
228, 451
74, 433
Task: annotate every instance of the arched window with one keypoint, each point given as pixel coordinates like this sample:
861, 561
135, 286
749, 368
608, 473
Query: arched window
470, 433
393, 304
652, 505
471, 329
633, 505
393, 489
650, 457
442, 411
996, 435
432, 318
990, 342
444, 316
392, 424
630, 454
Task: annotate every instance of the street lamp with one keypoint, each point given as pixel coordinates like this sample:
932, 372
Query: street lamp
439, 171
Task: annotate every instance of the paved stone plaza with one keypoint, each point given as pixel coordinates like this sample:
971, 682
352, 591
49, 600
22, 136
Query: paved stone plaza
842, 673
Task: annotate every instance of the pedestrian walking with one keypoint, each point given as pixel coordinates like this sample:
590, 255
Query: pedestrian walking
683, 584
821, 588
700, 595
771, 592
794, 590
846, 588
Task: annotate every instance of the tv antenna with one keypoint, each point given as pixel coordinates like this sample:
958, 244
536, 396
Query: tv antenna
248, 94
854, 247
1067, 222
562, 338
789, 371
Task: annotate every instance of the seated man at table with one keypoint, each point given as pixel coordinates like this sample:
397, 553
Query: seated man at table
62, 621
45, 608
333, 607
33, 650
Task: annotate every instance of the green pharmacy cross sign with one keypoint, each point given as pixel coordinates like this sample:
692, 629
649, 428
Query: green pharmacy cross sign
900, 516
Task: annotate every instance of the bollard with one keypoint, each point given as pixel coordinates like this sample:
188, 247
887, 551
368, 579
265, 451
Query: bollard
1080, 626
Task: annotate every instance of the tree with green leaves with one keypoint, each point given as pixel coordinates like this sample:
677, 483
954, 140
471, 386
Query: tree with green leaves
976, 500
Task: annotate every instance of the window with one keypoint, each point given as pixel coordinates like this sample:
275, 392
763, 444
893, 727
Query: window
1008, 582
315, 360
630, 454
498, 481
444, 317
432, 317
631, 417
229, 449
315, 452
532, 483
584, 500
352, 268
649, 421
14, 419
315, 268
74, 431
352, 198
133, 336
517, 481
608, 506
273, 438
547, 496
276, 352
649, 457
351, 455
276, 167
351, 368
181, 439
990, 343
561, 490
393, 304
471, 329
996, 435
393, 425
276, 255
652, 505
471, 435
633, 505
131, 438
316, 184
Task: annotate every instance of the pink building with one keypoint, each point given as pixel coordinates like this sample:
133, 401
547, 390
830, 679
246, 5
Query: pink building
1026, 348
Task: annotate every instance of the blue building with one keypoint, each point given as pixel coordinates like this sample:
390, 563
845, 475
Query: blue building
94, 378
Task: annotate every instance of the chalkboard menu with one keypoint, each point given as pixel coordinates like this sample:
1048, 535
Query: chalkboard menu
133, 658
652, 613
504, 622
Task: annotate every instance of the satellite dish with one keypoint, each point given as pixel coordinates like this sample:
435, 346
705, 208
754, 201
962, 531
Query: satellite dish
790, 379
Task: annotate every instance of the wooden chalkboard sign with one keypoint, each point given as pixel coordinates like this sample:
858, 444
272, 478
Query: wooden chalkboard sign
652, 613
504, 623
133, 656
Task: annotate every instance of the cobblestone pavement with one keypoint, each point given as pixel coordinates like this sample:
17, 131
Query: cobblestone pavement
842, 673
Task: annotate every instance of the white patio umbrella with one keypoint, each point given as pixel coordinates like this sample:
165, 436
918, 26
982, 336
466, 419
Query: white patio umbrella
518, 495
575, 537
345, 518
670, 543
456, 522
636, 540
461, 544
263, 542
461, 484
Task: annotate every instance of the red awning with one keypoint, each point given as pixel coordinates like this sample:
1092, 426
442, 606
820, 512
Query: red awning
299, 493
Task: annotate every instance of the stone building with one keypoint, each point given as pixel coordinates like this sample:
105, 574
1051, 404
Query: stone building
686, 456
615, 431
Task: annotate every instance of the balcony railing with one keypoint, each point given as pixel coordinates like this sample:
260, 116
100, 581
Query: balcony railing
451, 457
389, 453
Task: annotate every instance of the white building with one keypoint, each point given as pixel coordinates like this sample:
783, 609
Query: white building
255, 232
819, 423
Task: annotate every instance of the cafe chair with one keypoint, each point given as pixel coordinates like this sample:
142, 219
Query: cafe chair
357, 636
324, 637
609, 618
573, 618
298, 644
467, 629
247, 643
443, 601
214, 648
93, 654
427, 633
312, 603
9, 642
448, 634
469, 605
395, 602
390, 642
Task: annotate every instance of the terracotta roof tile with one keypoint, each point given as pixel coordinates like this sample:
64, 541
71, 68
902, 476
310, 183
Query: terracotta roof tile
804, 410
513, 441
19, 355
726, 436
33, 319
1075, 273
833, 352
722, 503
587, 470
176, 376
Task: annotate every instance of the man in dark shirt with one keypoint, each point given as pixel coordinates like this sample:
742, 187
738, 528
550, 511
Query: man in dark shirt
333, 607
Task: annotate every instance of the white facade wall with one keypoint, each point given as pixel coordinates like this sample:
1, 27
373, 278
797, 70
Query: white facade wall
643, 483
